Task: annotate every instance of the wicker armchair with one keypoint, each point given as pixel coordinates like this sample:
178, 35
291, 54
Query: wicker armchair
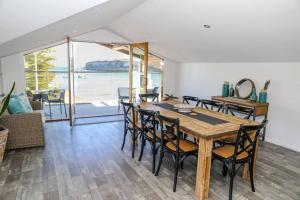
25, 130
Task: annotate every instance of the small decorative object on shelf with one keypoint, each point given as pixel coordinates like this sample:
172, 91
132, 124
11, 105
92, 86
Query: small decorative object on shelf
263, 96
253, 96
225, 89
231, 91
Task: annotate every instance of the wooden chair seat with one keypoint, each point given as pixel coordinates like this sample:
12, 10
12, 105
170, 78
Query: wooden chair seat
158, 136
184, 145
228, 151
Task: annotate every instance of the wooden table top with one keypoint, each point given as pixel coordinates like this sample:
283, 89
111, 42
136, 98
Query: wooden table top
242, 102
199, 128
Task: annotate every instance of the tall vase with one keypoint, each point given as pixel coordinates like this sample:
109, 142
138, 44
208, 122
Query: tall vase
225, 89
263, 96
253, 96
3, 140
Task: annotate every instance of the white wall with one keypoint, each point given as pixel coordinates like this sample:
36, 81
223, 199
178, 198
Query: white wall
12, 68
205, 80
169, 77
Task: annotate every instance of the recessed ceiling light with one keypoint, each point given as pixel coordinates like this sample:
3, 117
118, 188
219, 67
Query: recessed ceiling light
206, 26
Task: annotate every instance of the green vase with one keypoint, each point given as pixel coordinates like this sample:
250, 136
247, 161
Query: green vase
253, 96
263, 96
225, 89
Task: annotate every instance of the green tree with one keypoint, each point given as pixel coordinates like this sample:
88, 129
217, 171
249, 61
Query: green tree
38, 66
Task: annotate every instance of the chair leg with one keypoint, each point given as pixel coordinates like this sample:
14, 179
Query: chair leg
133, 143
251, 176
231, 181
60, 107
50, 109
142, 147
224, 169
153, 156
65, 109
181, 165
119, 106
124, 139
160, 160
176, 171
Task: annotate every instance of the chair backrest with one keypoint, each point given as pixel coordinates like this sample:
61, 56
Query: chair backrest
233, 109
62, 94
189, 99
129, 113
56, 94
210, 104
123, 92
169, 127
244, 141
152, 96
169, 96
148, 121
155, 90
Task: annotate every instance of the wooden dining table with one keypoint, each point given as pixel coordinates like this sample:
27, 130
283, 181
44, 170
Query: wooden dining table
207, 126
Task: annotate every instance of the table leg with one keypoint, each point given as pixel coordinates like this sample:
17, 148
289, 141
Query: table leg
246, 173
203, 168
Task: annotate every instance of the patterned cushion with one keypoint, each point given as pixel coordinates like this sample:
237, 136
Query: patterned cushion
19, 103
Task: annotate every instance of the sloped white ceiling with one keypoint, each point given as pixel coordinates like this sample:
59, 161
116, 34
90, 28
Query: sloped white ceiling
19, 17
241, 30
86, 21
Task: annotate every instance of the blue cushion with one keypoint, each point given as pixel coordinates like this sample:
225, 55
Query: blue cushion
19, 103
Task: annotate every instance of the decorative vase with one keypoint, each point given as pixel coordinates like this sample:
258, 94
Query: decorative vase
253, 96
3, 140
225, 89
263, 96
231, 91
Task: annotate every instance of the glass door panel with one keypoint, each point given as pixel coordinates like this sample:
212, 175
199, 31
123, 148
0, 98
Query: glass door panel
155, 69
138, 70
46, 74
101, 79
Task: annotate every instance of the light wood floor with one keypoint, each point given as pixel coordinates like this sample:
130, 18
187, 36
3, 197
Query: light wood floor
87, 163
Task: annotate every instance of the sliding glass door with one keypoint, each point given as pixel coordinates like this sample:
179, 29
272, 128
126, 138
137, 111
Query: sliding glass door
46, 75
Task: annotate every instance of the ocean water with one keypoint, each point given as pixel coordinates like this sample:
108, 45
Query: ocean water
90, 87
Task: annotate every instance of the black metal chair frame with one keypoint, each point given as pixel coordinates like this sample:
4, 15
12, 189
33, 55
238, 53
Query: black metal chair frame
60, 100
244, 143
152, 96
205, 103
128, 109
169, 97
233, 109
148, 123
189, 99
171, 126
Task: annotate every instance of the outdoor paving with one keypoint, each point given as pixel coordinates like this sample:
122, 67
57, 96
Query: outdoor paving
97, 108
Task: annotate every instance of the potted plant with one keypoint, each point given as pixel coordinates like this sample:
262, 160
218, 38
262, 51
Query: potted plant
3, 130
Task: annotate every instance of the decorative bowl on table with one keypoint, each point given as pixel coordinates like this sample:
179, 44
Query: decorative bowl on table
184, 108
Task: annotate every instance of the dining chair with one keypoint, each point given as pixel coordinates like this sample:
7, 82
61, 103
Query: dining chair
210, 104
189, 99
234, 109
149, 133
130, 125
169, 97
55, 96
243, 152
178, 148
152, 96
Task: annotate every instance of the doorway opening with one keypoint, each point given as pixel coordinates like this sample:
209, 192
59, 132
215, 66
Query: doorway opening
86, 81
